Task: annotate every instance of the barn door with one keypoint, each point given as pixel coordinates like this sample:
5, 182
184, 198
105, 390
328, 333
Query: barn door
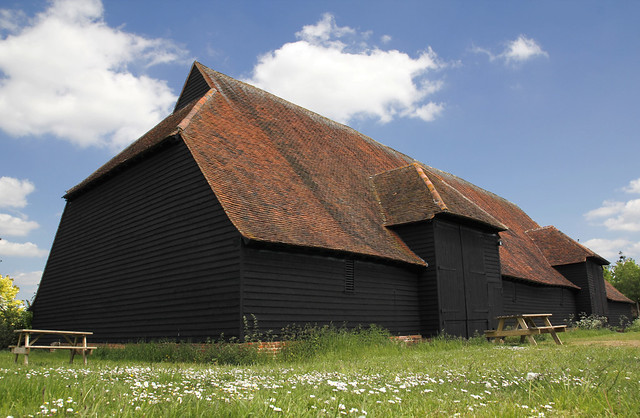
451, 283
475, 280
462, 280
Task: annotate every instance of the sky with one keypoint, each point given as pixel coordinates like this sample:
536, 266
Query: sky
536, 101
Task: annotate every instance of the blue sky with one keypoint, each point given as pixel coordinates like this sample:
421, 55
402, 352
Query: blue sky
536, 101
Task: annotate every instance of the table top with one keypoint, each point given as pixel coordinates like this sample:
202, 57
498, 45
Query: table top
53, 332
540, 315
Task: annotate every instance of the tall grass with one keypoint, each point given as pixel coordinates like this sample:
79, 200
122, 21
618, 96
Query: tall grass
335, 372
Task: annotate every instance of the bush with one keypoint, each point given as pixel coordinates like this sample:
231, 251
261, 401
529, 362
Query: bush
12, 318
635, 326
585, 321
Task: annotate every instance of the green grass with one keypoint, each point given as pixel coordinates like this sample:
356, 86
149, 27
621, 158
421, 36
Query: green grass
342, 374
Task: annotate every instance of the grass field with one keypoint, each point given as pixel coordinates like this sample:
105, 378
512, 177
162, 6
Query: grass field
596, 373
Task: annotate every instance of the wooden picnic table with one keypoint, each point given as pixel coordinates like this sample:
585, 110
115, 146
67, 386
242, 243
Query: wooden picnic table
525, 327
76, 341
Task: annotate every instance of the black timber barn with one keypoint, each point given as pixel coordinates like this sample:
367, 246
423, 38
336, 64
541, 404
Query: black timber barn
240, 203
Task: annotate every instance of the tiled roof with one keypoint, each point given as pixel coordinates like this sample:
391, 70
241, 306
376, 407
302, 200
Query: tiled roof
287, 175
407, 194
614, 294
559, 249
519, 256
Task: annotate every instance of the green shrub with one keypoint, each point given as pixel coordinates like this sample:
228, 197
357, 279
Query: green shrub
585, 321
635, 326
12, 318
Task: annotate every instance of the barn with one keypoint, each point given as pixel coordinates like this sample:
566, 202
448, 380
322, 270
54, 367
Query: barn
240, 203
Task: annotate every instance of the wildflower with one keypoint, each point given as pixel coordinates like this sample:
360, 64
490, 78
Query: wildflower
69, 409
532, 376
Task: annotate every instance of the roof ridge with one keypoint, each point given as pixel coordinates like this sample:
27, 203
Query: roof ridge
184, 123
437, 199
309, 113
460, 194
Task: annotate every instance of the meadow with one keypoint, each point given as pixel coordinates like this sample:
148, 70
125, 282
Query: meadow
596, 373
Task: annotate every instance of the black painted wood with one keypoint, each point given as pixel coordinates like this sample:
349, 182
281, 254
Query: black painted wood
421, 240
281, 288
523, 297
619, 313
149, 253
194, 88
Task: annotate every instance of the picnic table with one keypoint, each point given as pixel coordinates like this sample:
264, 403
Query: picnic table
525, 327
76, 342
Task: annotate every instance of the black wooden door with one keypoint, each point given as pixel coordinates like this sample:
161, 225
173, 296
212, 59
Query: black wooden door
462, 279
451, 281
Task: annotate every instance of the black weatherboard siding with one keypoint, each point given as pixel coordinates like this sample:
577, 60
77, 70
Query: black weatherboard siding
148, 253
460, 290
522, 297
591, 299
285, 287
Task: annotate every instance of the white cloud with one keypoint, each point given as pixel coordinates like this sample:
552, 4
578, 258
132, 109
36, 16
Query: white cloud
10, 20
28, 283
27, 279
609, 248
517, 51
14, 226
67, 73
622, 217
27, 249
332, 71
523, 49
619, 216
13, 192
633, 187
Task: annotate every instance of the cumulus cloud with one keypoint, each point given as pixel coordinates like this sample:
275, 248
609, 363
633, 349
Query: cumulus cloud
609, 248
517, 51
617, 215
66, 73
333, 71
14, 249
622, 217
27, 282
14, 226
13, 192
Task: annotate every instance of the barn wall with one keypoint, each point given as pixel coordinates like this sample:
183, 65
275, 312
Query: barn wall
461, 289
598, 293
591, 299
520, 297
281, 287
149, 253
619, 313
420, 238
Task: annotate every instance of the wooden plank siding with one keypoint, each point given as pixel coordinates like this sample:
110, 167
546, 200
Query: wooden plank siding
148, 253
599, 293
461, 289
619, 313
521, 297
281, 288
591, 299
420, 238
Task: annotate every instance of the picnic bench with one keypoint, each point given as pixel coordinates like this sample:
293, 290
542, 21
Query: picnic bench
525, 327
76, 342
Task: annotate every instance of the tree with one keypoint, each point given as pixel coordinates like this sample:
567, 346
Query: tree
8, 293
13, 315
625, 276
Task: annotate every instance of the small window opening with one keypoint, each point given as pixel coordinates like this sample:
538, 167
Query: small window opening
349, 277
